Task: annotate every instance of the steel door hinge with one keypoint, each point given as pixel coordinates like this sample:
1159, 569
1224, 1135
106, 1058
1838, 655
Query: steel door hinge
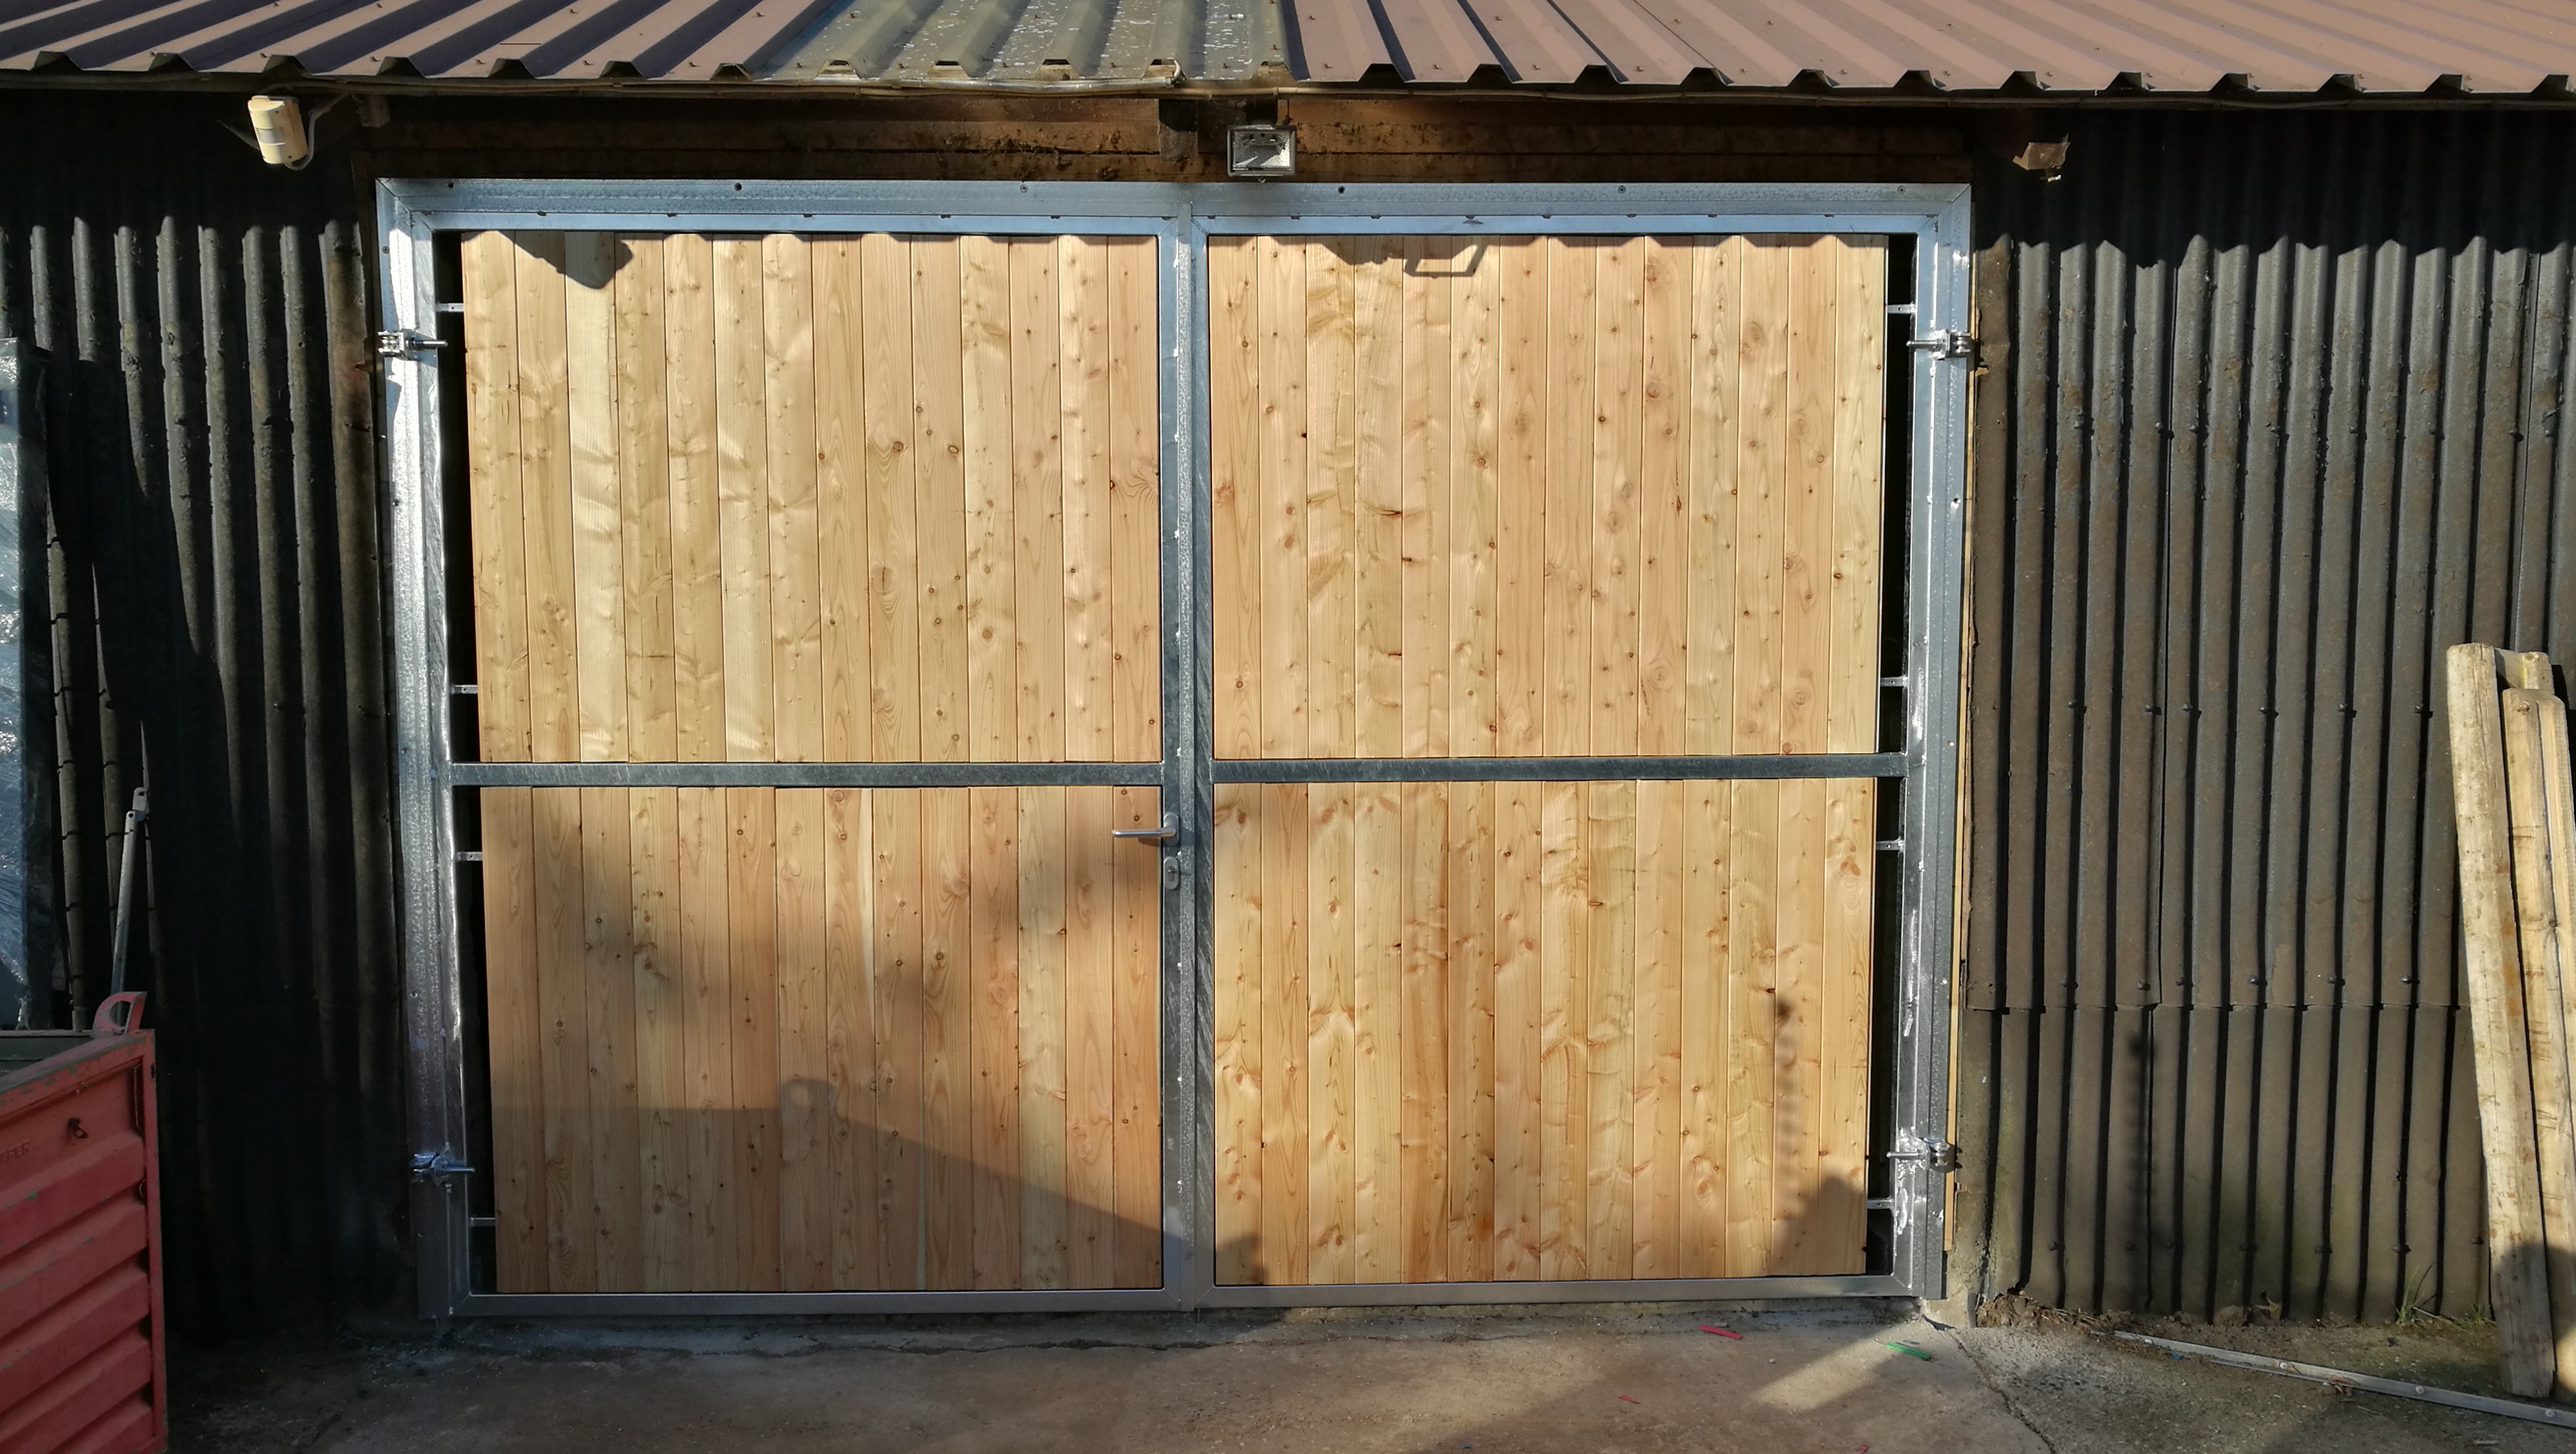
405, 342
1940, 1156
1945, 343
438, 1163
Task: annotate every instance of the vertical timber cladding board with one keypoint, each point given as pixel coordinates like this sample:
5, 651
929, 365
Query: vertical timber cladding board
1543, 1031
823, 1045
866, 498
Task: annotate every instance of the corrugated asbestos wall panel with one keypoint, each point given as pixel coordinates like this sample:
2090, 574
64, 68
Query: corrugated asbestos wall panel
216, 608
2270, 414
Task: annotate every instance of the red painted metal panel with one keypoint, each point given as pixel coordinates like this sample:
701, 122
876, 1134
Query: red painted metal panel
81, 1358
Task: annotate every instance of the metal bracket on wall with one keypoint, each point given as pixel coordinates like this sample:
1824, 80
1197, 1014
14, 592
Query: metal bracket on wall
405, 343
1946, 343
1940, 1156
425, 1164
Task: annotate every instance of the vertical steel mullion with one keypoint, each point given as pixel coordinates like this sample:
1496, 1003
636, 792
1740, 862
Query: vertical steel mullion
433, 987
1188, 359
1188, 1165
1933, 641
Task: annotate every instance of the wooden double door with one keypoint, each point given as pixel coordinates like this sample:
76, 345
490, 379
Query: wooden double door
747, 509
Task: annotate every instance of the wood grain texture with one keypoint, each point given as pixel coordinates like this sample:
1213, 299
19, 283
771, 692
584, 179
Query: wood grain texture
548, 587
492, 465
644, 505
949, 905
1135, 1049
1552, 495
893, 1248
808, 1106
1135, 461
2534, 834
743, 423
1040, 415
992, 568
563, 1042
1284, 969
1234, 495
608, 987
2491, 971
1600, 496
706, 1046
1423, 1054
844, 459
1377, 1035
799, 705
518, 1093
661, 1007
751, 1007
1518, 1148
1089, 1051
938, 429
892, 499
598, 554
801, 499
1236, 931
1040, 1034
993, 1035
734, 1049
2558, 779
1329, 1034
778, 498
1563, 1055
697, 574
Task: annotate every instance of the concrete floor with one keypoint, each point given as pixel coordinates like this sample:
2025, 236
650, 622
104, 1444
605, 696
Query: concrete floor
1640, 1378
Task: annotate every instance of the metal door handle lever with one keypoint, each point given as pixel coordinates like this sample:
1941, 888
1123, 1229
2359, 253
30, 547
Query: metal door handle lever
1171, 829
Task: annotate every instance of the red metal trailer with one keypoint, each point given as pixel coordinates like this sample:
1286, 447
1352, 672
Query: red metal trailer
81, 1365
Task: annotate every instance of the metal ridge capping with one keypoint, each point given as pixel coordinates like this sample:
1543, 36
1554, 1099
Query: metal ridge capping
2178, 47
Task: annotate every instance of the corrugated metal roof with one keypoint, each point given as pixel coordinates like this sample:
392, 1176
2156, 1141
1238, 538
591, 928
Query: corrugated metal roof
2072, 45
2374, 46
1043, 42
995, 42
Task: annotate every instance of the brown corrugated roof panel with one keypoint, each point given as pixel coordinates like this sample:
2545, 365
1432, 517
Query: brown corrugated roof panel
2490, 46
2498, 47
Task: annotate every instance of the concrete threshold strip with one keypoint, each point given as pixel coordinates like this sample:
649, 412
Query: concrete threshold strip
2338, 1378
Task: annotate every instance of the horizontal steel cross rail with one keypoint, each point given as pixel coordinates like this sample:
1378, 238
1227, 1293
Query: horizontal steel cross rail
1557, 769
805, 774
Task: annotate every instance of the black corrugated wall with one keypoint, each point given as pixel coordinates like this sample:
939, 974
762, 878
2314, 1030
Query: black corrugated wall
215, 612
2271, 413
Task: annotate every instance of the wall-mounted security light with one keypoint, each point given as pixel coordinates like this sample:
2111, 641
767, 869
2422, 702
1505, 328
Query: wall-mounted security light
278, 124
1261, 151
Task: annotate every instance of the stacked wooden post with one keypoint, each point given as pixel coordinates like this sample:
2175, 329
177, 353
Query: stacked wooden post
2516, 805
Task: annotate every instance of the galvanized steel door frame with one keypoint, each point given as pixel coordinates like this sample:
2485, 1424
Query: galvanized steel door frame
1181, 217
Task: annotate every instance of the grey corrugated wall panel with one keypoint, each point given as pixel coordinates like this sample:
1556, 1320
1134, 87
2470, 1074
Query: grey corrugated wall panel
2271, 411
216, 601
